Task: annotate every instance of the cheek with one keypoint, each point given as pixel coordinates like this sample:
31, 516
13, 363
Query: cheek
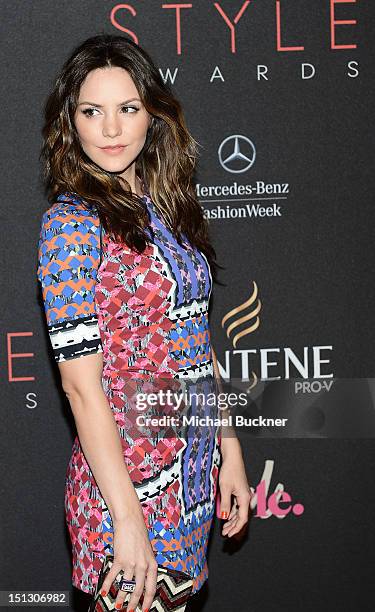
84, 129
140, 127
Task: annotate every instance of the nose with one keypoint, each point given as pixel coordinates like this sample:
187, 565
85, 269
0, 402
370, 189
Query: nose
111, 125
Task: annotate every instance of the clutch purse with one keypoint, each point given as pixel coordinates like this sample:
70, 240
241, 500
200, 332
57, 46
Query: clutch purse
173, 589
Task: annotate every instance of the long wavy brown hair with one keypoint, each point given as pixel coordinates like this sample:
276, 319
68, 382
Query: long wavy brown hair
165, 165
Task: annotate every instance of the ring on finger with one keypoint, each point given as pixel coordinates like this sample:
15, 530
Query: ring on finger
126, 585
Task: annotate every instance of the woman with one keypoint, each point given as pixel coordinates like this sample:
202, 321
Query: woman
125, 268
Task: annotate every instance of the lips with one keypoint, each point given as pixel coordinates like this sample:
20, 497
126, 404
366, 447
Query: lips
113, 150
113, 147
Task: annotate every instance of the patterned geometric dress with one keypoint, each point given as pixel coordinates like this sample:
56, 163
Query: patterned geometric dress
148, 314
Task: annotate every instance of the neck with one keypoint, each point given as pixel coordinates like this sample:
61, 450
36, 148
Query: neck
136, 185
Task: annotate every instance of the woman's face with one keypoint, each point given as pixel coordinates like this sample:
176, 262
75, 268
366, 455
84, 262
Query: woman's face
110, 113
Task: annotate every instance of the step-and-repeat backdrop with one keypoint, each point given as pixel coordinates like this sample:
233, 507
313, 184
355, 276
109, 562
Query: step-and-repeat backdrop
279, 94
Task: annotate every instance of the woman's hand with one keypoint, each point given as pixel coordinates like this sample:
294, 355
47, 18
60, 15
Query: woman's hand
233, 481
133, 553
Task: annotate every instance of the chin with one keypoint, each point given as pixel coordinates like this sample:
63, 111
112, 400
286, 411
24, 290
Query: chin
116, 166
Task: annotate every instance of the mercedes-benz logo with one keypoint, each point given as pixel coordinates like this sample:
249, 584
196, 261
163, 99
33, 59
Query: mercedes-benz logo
240, 154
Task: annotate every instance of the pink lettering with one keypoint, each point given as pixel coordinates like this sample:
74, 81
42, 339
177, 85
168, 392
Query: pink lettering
334, 22
235, 21
12, 356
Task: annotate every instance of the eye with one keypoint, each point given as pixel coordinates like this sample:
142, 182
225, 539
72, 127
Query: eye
134, 108
88, 111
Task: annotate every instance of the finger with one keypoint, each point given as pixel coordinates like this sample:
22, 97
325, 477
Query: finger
243, 514
140, 575
150, 587
230, 522
225, 502
232, 516
233, 511
229, 525
231, 530
113, 573
120, 598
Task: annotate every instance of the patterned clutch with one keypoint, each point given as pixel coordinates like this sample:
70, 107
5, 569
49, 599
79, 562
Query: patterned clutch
173, 589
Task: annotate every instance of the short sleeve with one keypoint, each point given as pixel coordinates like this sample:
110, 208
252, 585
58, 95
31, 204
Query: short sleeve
68, 261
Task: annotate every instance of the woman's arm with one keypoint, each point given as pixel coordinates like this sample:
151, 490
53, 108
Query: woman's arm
68, 262
101, 444
232, 477
229, 441
98, 433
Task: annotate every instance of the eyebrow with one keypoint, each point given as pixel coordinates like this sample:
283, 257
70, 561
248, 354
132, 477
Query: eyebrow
101, 106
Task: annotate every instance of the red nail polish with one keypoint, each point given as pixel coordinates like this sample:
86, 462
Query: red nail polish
103, 593
118, 606
224, 514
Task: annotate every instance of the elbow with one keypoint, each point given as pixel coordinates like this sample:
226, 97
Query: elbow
70, 384
79, 400
82, 392
70, 391
74, 395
